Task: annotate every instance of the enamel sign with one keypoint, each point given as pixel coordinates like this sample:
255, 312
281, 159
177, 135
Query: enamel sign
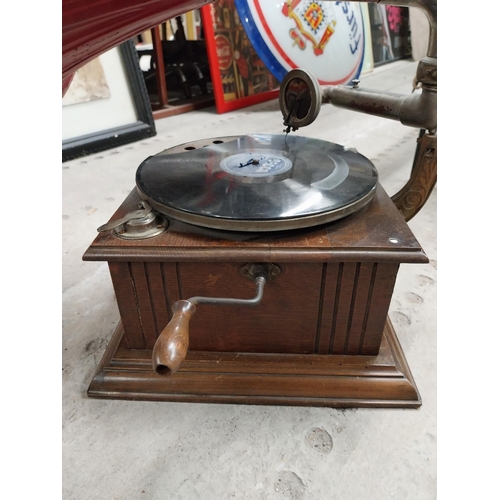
326, 38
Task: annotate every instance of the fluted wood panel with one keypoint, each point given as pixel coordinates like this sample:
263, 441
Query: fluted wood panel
145, 293
382, 287
310, 308
125, 293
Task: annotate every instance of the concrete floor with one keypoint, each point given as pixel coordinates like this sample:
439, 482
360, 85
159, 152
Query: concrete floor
118, 450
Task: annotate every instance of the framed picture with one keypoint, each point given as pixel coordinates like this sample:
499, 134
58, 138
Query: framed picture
106, 105
390, 28
239, 77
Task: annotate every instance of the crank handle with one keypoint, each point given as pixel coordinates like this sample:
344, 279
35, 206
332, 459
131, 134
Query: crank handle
172, 345
173, 342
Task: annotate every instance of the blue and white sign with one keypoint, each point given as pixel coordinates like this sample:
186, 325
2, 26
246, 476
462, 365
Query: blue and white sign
324, 37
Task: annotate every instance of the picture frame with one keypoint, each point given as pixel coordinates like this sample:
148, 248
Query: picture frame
123, 116
239, 77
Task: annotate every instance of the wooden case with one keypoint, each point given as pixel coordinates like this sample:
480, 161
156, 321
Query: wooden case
320, 336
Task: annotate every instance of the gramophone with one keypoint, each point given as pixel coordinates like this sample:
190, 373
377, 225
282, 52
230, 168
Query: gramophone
260, 269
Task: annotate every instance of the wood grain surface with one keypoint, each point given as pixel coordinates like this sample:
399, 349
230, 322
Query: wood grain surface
280, 379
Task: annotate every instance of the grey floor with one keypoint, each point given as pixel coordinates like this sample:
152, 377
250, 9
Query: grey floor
143, 450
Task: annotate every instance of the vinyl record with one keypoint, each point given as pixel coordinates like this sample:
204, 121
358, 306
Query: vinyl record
258, 183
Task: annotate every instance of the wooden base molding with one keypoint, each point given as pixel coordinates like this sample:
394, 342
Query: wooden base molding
344, 381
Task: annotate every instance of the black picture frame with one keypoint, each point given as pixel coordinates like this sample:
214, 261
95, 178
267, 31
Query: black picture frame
142, 128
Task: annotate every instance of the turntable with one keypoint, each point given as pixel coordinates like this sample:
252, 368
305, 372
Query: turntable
260, 270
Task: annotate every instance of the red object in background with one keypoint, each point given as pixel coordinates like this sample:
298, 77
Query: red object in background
231, 62
394, 17
92, 27
66, 83
224, 52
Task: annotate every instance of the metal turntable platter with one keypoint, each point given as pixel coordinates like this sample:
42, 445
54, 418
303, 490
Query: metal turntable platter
258, 182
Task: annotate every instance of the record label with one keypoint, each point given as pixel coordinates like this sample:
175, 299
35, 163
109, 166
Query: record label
256, 164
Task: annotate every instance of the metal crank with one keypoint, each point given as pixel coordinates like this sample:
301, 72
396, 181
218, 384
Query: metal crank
172, 344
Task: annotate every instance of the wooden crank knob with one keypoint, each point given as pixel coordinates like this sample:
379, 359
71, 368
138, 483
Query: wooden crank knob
172, 344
